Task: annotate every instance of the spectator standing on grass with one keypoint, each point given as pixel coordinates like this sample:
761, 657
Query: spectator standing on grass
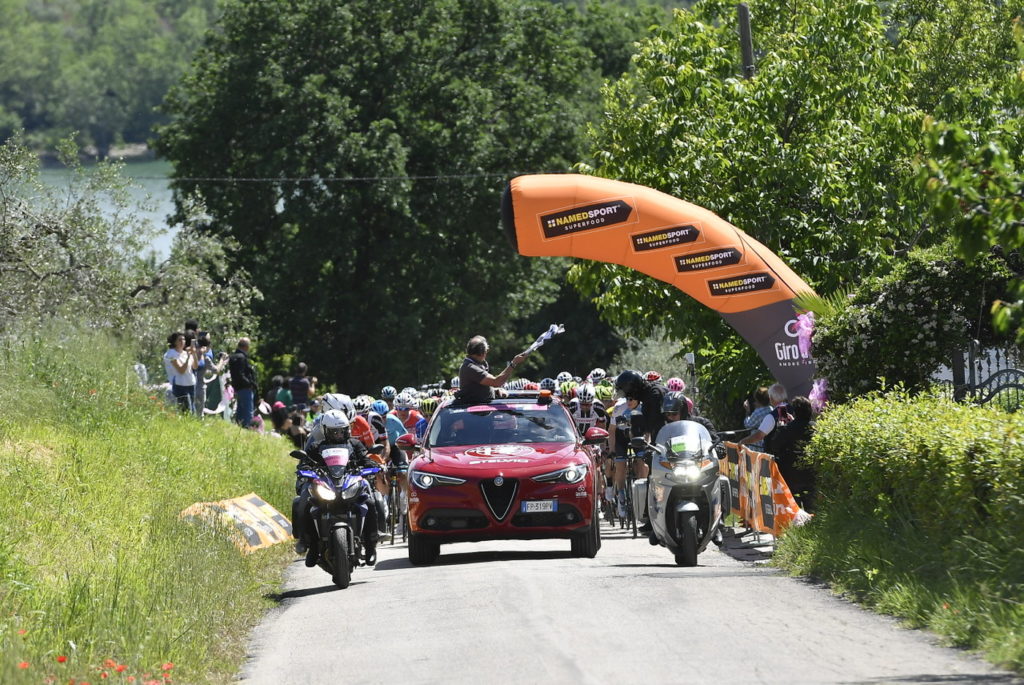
302, 386
275, 385
204, 365
180, 364
243, 380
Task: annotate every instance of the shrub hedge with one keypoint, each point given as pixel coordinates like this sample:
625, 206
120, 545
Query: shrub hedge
921, 514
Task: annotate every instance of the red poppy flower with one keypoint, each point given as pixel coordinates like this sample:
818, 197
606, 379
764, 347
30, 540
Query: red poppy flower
109, 663
168, 666
62, 659
120, 668
24, 665
22, 631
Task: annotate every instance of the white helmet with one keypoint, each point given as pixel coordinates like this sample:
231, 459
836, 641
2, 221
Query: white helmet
406, 401
341, 402
585, 393
335, 427
455, 382
362, 403
563, 377
597, 375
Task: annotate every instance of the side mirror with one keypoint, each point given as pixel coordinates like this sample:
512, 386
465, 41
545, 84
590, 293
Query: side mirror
595, 436
406, 442
638, 444
377, 449
297, 454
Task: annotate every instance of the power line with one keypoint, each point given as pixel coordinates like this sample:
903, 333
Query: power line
336, 179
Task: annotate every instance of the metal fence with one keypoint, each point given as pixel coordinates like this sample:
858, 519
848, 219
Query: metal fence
989, 376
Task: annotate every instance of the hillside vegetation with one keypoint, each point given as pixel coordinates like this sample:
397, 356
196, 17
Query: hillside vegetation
95, 565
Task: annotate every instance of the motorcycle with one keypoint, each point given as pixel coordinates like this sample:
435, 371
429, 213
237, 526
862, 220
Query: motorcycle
687, 499
340, 493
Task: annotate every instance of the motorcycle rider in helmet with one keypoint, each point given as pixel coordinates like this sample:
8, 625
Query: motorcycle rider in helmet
334, 430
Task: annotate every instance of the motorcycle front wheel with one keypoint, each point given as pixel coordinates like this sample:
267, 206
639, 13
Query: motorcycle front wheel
687, 528
342, 574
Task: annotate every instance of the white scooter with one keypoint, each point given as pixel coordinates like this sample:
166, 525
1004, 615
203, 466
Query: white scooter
687, 499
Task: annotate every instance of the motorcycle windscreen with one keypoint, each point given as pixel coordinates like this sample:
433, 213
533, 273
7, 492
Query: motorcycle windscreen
701, 254
336, 459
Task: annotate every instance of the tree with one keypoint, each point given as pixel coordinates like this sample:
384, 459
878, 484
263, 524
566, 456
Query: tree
815, 157
65, 256
391, 130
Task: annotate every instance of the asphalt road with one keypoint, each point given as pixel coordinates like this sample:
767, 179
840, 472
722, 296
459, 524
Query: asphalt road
527, 612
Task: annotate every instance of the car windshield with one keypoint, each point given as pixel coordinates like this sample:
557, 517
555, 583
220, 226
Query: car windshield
500, 424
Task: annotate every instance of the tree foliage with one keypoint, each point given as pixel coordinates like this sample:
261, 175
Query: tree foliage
900, 328
78, 253
392, 129
94, 67
814, 157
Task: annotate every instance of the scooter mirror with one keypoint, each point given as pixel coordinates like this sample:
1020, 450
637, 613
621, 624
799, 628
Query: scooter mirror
298, 454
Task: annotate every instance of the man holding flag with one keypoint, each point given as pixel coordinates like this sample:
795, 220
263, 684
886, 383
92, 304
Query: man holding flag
475, 379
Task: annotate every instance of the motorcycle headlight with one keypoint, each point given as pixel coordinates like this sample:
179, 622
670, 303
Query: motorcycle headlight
686, 470
570, 474
324, 492
352, 490
425, 481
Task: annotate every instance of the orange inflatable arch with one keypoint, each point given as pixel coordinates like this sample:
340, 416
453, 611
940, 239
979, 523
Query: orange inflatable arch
709, 259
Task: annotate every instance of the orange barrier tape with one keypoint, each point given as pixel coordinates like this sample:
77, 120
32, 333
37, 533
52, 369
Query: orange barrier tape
760, 496
254, 523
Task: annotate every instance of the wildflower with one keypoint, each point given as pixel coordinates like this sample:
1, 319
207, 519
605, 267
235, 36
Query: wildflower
120, 668
62, 659
92, 391
168, 666
945, 605
131, 679
22, 631
23, 665
109, 663
103, 675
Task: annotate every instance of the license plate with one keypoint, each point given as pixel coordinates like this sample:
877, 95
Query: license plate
539, 506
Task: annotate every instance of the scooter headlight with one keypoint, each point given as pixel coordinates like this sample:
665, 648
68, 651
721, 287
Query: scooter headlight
352, 490
324, 492
686, 471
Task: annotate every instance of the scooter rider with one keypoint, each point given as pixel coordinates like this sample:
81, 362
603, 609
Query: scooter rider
334, 431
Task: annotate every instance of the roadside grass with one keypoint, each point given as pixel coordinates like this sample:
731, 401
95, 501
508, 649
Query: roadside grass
937, 540
97, 573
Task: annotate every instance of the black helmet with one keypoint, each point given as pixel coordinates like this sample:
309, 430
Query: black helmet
630, 383
675, 403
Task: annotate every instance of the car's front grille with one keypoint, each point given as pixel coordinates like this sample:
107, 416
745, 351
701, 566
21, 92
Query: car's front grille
499, 498
454, 519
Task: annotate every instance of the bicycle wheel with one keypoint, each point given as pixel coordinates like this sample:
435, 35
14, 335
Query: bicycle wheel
630, 509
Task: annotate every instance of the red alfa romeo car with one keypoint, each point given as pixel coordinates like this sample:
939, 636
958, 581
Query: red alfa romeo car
514, 468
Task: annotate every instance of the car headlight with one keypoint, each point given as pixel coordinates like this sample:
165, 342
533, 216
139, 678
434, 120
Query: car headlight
686, 470
353, 489
324, 492
425, 481
570, 474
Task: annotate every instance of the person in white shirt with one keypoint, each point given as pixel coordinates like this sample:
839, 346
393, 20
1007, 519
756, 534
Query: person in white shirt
180, 363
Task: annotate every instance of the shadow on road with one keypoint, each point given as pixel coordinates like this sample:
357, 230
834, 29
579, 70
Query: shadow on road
932, 679
464, 558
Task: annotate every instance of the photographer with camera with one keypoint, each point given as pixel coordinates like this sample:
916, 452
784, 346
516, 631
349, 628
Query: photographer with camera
180, 364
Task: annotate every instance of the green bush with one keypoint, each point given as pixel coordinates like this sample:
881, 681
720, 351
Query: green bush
921, 515
94, 563
899, 328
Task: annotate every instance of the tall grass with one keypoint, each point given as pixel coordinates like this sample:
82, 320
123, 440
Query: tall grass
95, 565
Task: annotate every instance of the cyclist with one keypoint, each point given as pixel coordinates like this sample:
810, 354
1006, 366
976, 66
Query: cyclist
596, 375
548, 384
334, 431
388, 394
644, 399
585, 411
428, 406
401, 420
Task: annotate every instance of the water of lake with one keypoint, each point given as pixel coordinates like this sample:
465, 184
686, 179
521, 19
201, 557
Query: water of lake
150, 184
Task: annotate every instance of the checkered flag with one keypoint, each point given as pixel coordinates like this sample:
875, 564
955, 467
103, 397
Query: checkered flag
552, 331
